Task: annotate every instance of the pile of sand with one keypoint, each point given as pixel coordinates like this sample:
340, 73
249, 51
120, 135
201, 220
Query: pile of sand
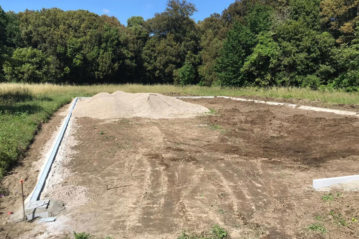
127, 105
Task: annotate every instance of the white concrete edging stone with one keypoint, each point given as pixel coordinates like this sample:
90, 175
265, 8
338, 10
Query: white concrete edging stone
323, 183
35, 195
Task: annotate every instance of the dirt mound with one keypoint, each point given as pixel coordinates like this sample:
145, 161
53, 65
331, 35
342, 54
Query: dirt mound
145, 105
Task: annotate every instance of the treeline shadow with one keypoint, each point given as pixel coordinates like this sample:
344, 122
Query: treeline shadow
20, 109
12, 97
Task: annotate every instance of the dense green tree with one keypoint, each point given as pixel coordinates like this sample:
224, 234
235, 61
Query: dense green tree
306, 12
306, 52
85, 47
303, 43
28, 65
173, 35
162, 56
262, 65
237, 46
188, 74
303, 51
175, 20
138, 35
341, 17
347, 64
212, 33
185, 75
13, 36
3, 39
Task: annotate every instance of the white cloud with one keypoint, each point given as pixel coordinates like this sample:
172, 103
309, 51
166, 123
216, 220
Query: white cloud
105, 11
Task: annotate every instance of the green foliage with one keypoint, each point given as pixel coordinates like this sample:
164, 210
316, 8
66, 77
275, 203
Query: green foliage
306, 12
347, 63
185, 75
340, 17
216, 233
173, 35
138, 35
262, 65
3, 23
236, 48
82, 235
239, 44
316, 227
259, 18
311, 81
161, 58
303, 52
175, 20
328, 197
13, 35
28, 65
213, 33
84, 47
219, 232
299, 43
338, 218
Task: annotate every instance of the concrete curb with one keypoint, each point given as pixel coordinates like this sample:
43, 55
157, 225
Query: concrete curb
323, 183
46, 170
293, 106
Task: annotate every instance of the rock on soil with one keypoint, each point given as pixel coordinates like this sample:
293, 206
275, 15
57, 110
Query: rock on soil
144, 105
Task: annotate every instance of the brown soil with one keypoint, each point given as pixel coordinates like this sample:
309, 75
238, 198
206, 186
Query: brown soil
248, 168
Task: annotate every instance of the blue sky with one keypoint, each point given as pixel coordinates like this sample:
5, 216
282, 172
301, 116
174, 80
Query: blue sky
122, 9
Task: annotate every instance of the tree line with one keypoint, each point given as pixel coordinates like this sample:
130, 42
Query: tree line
300, 43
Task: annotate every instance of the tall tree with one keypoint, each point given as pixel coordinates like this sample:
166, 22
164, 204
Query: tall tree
341, 16
347, 65
175, 20
161, 59
138, 35
3, 39
213, 33
171, 29
237, 46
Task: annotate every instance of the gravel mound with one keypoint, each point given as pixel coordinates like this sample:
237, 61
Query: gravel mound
126, 105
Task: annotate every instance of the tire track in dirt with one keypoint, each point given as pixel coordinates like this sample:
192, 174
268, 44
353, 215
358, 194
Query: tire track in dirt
246, 168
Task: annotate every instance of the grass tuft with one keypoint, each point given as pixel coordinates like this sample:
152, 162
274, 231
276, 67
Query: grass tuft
316, 227
217, 232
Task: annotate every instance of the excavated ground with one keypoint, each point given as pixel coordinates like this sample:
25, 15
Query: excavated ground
247, 167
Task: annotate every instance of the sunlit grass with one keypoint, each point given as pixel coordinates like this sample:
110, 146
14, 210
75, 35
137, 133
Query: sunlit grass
324, 96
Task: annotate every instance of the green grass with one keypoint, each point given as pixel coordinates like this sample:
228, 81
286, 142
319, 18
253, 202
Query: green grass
24, 107
82, 235
217, 232
316, 227
338, 218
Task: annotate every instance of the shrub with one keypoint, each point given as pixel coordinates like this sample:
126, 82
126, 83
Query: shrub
185, 75
311, 81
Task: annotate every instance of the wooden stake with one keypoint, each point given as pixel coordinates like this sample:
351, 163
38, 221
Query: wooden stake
23, 198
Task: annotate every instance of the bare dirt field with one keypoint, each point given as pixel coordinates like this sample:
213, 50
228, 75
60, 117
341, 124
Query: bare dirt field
246, 167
